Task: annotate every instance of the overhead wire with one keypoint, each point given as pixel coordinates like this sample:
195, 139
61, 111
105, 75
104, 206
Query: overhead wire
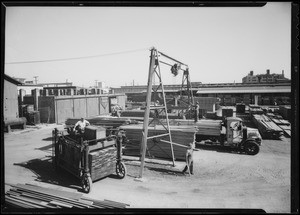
78, 58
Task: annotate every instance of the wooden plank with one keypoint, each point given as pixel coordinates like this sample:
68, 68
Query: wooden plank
61, 204
34, 203
57, 197
20, 203
26, 197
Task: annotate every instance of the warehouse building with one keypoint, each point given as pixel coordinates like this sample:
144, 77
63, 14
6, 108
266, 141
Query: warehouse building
272, 94
229, 93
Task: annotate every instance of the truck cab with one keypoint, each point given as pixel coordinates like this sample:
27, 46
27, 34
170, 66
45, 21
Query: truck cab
238, 135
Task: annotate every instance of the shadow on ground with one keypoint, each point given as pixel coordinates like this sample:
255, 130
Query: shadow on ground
45, 172
48, 139
159, 168
45, 148
219, 148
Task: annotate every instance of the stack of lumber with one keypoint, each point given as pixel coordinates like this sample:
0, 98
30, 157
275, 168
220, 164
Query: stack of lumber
282, 123
139, 114
209, 127
255, 110
183, 135
211, 115
102, 162
34, 196
102, 121
266, 127
133, 113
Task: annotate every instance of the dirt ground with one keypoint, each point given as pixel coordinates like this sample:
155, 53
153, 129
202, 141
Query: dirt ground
222, 178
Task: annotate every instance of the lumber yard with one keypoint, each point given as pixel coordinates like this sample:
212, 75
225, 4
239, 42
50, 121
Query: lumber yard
123, 139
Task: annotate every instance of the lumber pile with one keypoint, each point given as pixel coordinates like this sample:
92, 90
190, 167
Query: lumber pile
211, 115
266, 127
209, 127
139, 115
102, 162
286, 129
282, 123
34, 196
156, 148
253, 109
101, 121
133, 113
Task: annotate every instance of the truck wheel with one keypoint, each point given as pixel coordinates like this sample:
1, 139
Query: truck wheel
86, 184
121, 170
251, 148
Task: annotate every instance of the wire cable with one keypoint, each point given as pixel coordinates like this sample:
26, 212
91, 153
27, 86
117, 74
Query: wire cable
78, 58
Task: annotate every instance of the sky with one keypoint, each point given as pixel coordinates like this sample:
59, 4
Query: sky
112, 44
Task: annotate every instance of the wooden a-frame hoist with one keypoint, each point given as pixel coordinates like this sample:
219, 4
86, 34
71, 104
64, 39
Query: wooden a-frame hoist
160, 113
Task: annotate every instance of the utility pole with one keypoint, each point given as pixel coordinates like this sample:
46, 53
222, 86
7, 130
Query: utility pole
35, 78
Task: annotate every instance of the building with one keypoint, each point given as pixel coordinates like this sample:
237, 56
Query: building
229, 93
10, 98
265, 78
56, 109
260, 94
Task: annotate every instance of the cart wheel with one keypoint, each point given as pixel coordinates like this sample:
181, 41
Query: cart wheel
86, 184
121, 169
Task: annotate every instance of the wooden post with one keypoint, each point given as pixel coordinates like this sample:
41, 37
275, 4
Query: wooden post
35, 93
21, 96
86, 157
147, 112
56, 152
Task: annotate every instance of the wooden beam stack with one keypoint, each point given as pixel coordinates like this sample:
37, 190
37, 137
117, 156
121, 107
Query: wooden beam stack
209, 127
101, 121
102, 162
266, 127
282, 123
37, 197
156, 148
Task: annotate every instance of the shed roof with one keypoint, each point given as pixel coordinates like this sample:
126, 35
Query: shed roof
12, 80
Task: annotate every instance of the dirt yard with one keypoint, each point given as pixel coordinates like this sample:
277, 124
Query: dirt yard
222, 178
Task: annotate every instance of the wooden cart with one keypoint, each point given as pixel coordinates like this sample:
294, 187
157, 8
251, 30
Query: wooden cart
88, 160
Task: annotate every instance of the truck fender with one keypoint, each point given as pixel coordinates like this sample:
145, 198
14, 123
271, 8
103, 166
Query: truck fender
243, 143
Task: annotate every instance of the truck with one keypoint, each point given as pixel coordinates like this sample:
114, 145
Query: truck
230, 132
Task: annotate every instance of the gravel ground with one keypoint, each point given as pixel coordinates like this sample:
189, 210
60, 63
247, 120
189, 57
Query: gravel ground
222, 178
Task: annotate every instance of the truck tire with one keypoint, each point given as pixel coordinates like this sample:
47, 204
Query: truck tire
251, 148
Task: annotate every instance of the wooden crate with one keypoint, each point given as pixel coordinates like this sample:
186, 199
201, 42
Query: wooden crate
93, 133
